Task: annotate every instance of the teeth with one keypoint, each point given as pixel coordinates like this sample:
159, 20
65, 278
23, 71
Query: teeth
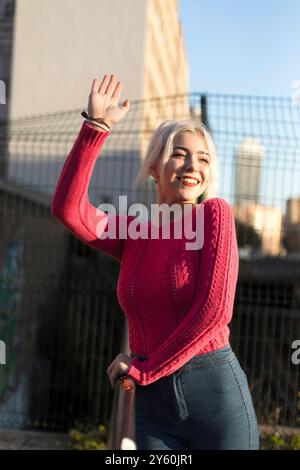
189, 180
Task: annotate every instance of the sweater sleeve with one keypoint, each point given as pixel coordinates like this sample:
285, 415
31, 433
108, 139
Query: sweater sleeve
71, 205
214, 297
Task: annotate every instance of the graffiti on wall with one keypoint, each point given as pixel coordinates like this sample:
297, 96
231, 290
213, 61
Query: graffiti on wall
10, 303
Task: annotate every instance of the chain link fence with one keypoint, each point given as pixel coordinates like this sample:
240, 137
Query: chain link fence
59, 315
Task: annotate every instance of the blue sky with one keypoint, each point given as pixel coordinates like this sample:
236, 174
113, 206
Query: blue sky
242, 46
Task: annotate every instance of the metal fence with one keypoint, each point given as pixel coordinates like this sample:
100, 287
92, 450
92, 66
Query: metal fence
59, 314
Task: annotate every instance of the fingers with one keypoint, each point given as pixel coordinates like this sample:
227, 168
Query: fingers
111, 85
110, 368
104, 83
113, 376
95, 85
126, 104
112, 372
117, 92
119, 367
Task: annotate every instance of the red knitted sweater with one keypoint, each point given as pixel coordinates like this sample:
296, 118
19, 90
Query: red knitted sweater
178, 301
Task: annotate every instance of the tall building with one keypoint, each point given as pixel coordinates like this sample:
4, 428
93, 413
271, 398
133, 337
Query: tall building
292, 225
59, 47
248, 172
265, 221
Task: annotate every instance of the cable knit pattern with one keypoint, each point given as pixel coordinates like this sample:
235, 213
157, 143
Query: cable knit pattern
178, 302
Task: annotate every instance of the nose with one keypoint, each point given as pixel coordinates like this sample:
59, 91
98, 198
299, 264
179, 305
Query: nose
192, 163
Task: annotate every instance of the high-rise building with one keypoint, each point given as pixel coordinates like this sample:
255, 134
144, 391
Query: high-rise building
58, 48
248, 172
292, 225
265, 221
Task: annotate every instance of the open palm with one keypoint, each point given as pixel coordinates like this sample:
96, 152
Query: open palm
104, 98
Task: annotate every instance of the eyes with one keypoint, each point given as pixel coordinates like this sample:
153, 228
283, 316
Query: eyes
203, 157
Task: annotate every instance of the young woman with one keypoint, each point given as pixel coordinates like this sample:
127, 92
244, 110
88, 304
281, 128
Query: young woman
178, 296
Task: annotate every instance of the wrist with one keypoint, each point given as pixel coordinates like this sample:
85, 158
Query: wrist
98, 127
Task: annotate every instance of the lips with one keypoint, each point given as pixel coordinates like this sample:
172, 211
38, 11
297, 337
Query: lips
190, 177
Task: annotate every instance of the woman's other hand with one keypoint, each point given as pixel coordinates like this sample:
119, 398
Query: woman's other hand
119, 366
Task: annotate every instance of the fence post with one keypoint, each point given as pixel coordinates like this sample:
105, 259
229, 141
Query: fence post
204, 120
3, 149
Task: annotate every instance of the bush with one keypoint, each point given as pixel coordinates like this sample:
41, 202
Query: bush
86, 437
280, 442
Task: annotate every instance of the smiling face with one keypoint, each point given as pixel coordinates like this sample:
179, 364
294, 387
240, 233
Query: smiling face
193, 160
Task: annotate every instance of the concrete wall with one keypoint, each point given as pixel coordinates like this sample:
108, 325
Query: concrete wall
59, 47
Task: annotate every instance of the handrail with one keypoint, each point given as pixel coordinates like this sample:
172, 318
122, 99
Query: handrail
122, 432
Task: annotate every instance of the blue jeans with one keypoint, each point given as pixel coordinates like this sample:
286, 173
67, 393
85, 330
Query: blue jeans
205, 404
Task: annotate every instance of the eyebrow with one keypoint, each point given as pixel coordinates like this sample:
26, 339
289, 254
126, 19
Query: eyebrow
185, 148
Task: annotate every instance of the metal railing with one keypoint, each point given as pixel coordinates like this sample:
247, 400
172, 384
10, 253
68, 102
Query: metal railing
122, 426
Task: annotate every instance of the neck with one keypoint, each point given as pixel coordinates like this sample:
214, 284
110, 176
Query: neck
184, 209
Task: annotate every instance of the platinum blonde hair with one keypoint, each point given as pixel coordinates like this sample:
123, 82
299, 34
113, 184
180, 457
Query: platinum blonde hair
160, 148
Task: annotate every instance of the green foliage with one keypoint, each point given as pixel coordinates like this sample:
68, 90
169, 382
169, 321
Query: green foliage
295, 442
276, 441
88, 438
280, 442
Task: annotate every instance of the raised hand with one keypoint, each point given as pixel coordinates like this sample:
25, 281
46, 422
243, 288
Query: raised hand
103, 100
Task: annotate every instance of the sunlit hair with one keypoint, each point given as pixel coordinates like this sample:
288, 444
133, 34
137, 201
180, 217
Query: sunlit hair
160, 148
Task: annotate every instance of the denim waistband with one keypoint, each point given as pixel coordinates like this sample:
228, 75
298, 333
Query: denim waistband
212, 357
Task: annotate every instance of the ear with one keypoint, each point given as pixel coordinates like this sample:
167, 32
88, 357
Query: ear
153, 171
